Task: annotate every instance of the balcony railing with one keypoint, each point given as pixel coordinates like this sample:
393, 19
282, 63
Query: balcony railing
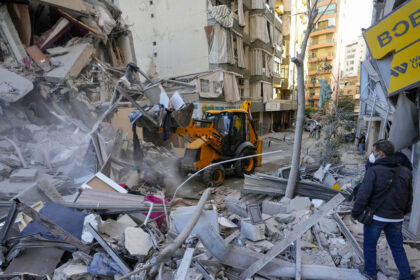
313, 43
322, 28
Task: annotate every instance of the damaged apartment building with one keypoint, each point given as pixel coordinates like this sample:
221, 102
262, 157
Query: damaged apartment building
229, 50
389, 87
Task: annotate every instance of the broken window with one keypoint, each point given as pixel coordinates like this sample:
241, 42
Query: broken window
204, 85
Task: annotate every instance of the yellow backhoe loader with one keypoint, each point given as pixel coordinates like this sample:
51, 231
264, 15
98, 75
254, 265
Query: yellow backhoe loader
219, 136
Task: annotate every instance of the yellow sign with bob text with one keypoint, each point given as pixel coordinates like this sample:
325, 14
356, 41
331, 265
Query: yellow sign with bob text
399, 34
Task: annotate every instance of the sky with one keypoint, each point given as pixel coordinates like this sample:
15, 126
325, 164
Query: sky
357, 15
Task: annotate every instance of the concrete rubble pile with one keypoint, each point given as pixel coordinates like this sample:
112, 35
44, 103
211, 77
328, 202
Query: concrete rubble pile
86, 168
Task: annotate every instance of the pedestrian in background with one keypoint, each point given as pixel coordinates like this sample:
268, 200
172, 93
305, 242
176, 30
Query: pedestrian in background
361, 142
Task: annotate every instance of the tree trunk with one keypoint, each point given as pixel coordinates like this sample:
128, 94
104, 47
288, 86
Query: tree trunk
297, 144
299, 62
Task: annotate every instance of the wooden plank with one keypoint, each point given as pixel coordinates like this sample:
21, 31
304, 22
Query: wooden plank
300, 229
77, 6
181, 273
298, 259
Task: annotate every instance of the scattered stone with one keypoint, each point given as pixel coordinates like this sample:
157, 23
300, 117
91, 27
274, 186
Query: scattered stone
272, 226
328, 225
24, 175
236, 206
318, 257
317, 203
4, 170
226, 224
79, 256
252, 232
73, 271
6, 146
10, 160
113, 229
94, 221
137, 242
284, 218
299, 203
127, 220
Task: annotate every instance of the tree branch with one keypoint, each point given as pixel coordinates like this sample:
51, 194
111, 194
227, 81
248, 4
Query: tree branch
322, 12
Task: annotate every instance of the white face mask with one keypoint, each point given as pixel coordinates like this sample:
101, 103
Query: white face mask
372, 158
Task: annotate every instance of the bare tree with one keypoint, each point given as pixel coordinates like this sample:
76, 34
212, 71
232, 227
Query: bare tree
299, 62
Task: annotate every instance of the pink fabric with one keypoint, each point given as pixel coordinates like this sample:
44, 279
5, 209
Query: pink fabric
155, 200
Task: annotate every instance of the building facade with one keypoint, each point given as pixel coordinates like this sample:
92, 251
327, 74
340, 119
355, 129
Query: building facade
389, 95
354, 54
235, 48
323, 51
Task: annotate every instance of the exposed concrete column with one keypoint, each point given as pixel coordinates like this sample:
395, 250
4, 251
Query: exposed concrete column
373, 135
414, 225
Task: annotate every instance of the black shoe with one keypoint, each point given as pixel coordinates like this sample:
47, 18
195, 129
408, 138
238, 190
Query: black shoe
368, 277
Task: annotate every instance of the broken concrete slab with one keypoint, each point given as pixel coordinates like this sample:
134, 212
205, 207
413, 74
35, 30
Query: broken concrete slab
10, 160
137, 241
94, 220
273, 208
226, 223
127, 220
296, 233
4, 170
13, 86
113, 229
284, 218
328, 225
5, 146
236, 206
8, 30
317, 256
24, 175
39, 261
254, 232
40, 191
75, 59
299, 203
182, 215
72, 270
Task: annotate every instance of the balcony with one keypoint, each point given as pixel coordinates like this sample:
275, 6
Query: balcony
312, 72
322, 44
313, 85
324, 30
326, 2
281, 105
320, 59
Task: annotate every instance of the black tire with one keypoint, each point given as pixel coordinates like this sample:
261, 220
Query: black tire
214, 176
245, 166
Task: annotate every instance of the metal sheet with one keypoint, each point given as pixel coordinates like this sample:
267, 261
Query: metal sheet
39, 261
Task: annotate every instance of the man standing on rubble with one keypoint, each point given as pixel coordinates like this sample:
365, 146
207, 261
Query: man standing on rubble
386, 188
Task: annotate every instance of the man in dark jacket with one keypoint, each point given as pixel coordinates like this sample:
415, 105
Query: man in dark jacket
389, 215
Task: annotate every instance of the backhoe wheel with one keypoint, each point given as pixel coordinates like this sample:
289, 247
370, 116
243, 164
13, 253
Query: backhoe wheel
245, 166
214, 176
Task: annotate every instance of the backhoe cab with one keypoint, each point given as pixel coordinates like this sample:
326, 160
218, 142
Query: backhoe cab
221, 135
